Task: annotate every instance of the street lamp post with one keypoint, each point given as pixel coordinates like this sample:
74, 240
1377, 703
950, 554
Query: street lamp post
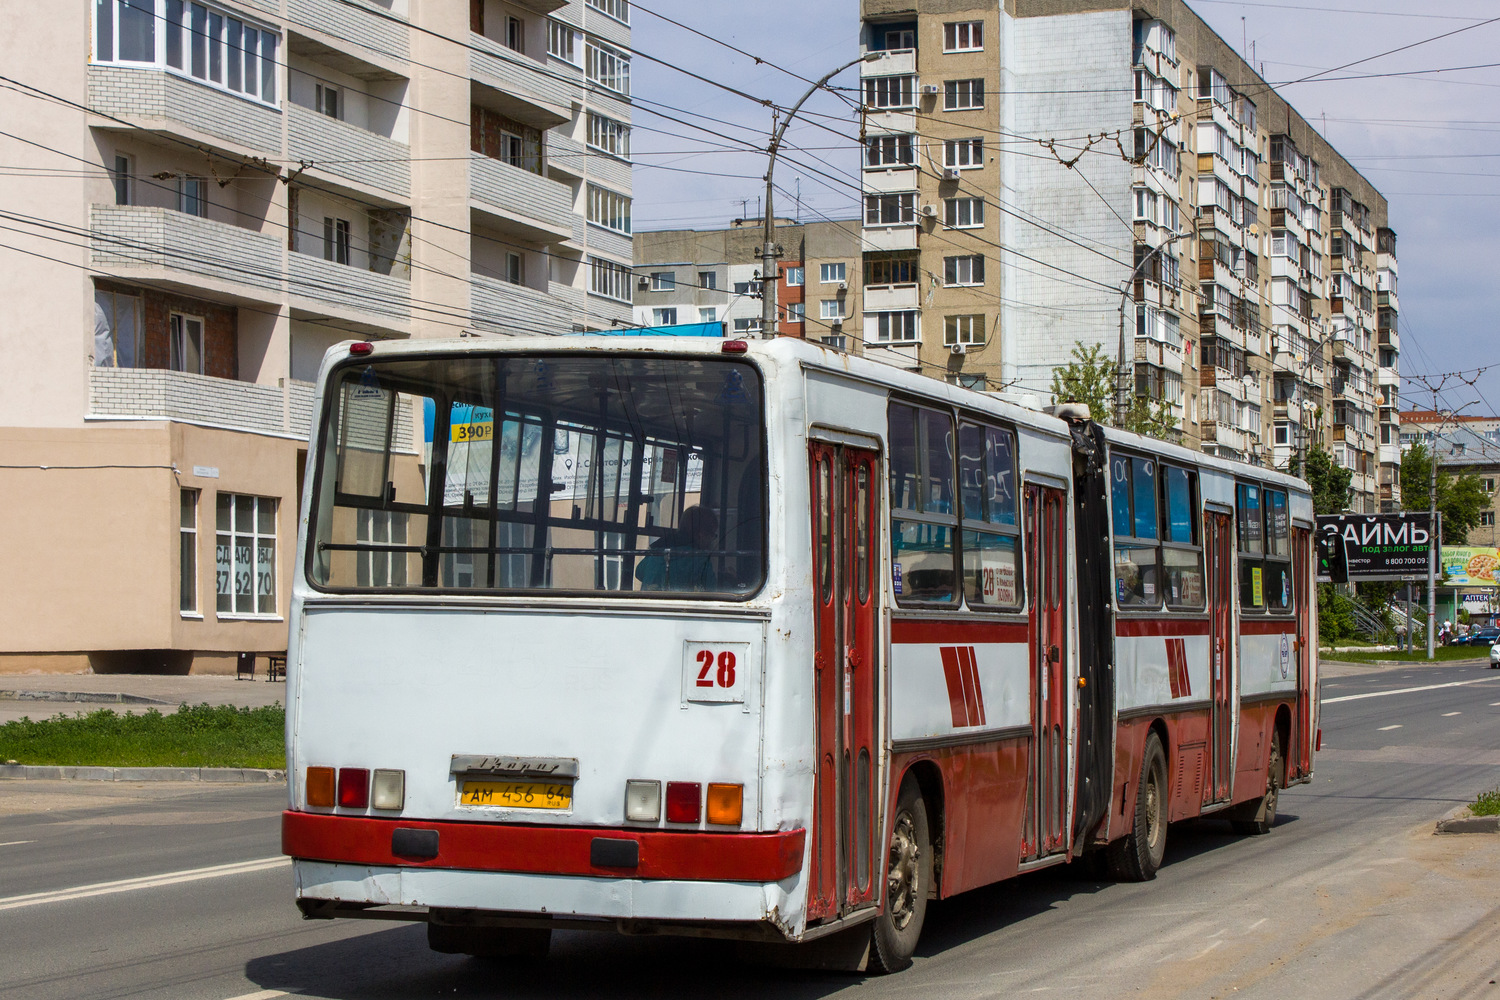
1122, 367
768, 275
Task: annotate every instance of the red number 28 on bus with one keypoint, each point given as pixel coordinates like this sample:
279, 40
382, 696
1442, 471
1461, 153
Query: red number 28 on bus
715, 671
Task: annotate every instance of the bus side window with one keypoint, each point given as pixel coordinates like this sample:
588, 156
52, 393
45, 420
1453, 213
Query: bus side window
1181, 550
1278, 565
924, 520
1251, 547
991, 534
1133, 503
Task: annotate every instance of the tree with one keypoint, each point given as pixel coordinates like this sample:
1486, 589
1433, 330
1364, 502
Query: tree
1090, 379
1460, 499
1330, 482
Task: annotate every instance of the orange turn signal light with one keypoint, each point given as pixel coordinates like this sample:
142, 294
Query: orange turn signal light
320, 783
726, 805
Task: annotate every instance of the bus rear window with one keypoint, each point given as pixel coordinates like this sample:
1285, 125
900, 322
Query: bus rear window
510, 473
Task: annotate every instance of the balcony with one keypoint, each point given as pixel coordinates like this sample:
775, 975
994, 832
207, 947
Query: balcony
889, 180
892, 62
500, 307
348, 151
378, 301
568, 155
365, 23
526, 204
899, 237
519, 87
882, 298
159, 101
146, 393
175, 248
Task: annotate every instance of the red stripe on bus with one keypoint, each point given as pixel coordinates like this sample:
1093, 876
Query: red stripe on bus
1159, 627
908, 632
975, 691
953, 676
552, 850
1177, 672
1286, 626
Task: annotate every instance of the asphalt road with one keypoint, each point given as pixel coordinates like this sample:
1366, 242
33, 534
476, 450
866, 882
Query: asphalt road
1350, 896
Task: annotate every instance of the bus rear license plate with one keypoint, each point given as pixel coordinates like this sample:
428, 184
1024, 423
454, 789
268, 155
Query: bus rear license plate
517, 794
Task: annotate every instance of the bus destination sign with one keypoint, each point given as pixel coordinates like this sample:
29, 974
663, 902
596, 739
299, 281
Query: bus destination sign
1354, 547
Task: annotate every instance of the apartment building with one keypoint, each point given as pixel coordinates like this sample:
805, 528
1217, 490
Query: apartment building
714, 275
1042, 173
206, 196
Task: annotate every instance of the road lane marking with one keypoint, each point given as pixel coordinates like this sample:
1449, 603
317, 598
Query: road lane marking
148, 882
1386, 729
1428, 687
1449, 715
16, 843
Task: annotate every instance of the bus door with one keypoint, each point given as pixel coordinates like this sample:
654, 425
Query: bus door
1298, 755
845, 509
1047, 559
1218, 551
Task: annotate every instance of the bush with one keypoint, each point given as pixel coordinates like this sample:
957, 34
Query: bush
1487, 804
201, 736
1335, 615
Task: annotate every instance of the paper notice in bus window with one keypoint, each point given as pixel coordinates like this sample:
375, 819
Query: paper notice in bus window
1257, 586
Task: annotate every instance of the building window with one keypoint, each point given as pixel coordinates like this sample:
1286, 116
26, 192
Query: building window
890, 150
664, 317
608, 67
890, 209
186, 347
963, 95
795, 276
708, 280
336, 240
515, 34
1486, 519
609, 209
609, 279
895, 327
747, 288
708, 315
969, 380
245, 555
187, 549
830, 273
663, 281
374, 567
891, 271
210, 45
963, 213
963, 36
965, 270
968, 329
560, 42
750, 325
796, 312
886, 92
1489, 485
326, 100
960, 154
121, 176
515, 269
831, 309
192, 196
617, 9
119, 331
609, 136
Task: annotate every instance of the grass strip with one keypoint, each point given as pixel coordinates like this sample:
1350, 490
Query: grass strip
1420, 656
1487, 804
193, 736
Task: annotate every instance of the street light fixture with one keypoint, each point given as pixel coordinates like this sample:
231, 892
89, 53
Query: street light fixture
768, 275
1122, 367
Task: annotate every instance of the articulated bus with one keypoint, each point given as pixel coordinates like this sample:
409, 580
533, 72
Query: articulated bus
764, 642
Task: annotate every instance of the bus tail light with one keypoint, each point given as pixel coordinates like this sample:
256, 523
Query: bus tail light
726, 804
320, 786
642, 801
389, 790
684, 801
354, 787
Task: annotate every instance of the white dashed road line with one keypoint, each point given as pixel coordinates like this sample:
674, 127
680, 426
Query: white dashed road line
1449, 715
149, 882
16, 843
1428, 687
1386, 729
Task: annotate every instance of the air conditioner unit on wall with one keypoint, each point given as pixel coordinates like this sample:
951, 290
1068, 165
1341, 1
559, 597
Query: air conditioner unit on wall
958, 348
930, 88
930, 211
843, 286
950, 174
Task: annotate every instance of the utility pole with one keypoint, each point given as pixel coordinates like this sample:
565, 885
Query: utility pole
768, 270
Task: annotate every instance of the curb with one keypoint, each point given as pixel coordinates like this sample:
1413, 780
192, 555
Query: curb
1459, 821
104, 698
207, 775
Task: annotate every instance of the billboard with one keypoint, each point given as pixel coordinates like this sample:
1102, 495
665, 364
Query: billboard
1469, 566
1353, 547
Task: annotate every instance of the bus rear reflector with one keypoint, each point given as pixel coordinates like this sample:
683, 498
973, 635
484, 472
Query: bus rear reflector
354, 787
389, 790
642, 801
726, 804
320, 786
684, 801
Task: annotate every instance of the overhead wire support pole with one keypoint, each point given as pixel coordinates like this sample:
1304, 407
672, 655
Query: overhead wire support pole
768, 254
1122, 367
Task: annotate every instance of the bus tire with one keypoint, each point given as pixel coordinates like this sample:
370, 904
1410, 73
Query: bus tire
908, 881
1137, 856
490, 942
1256, 817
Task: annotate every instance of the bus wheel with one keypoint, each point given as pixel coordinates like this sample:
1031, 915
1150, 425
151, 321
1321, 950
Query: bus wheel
1136, 857
1258, 816
908, 879
490, 942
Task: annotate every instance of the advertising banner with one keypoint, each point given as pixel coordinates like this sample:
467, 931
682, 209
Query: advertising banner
1468, 567
1354, 547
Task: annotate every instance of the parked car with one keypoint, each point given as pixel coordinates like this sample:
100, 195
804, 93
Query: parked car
1495, 656
1480, 637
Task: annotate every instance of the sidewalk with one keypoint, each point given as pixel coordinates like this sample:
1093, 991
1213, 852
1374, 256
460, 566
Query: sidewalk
41, 696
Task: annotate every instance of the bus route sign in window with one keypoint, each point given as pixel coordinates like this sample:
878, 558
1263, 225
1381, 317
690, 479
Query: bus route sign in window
508, 473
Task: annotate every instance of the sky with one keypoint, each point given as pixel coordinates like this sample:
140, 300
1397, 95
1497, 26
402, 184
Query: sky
1422, 124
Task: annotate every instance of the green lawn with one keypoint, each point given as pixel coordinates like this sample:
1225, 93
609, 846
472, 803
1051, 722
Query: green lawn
202, 736
1420, 656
